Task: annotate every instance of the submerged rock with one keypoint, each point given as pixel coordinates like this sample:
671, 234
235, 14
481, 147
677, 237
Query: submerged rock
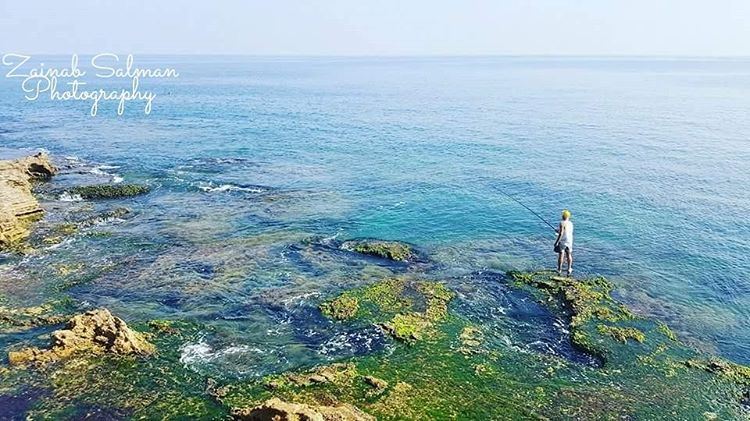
391, 250
116, 213
277, 410
96, 331
108, 191
341, 308
20, 319
339, 374
622, 334
411, 327
18, 207
471, 339
734, 372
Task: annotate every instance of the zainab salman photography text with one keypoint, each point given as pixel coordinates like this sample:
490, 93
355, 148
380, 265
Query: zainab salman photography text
74, 82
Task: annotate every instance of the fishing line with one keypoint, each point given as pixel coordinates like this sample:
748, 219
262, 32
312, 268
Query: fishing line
525, 207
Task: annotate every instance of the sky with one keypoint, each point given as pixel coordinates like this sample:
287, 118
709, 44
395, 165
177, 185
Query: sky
378, 27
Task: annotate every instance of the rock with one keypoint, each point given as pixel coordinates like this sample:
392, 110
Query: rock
471, 339
378, 384
341, 308
96, 331
398, 401
391, 250
409, 327
20, 319
275, 409
622, 334
338, 373
735, 373
108, 191
18, 207
102, 217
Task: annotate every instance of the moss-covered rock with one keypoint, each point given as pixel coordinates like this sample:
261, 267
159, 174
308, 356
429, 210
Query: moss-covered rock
108, 191
337, 374
25, 318
431, 378
276, 409
451, 370
391, 250
622, 334
409, 327
733, 372
341, 308
165, 327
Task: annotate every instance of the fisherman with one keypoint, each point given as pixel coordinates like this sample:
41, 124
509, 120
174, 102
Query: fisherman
564, 242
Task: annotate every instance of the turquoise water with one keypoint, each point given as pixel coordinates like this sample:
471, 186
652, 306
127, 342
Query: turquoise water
252, 157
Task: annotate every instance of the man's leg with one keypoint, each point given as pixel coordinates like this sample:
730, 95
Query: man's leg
559, 262
569, 256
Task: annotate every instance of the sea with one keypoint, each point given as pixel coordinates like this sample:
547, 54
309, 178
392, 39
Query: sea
260, 167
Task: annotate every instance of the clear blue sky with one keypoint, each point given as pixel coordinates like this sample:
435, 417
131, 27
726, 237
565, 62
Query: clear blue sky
378, 27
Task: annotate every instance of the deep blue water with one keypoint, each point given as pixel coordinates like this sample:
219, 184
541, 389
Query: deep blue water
651, 155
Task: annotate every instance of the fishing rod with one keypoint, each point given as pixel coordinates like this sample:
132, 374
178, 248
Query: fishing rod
525, 207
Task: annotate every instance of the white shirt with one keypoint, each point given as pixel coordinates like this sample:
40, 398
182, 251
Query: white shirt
566, 239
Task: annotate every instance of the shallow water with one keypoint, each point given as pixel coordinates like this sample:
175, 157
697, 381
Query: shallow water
253, 157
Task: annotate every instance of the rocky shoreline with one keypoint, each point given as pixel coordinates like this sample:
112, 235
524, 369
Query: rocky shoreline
18, 206
440, 364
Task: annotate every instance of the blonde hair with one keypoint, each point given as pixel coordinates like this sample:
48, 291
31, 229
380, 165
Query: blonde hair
566, 214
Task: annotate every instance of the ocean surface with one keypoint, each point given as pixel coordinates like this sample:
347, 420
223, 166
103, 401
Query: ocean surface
260, 166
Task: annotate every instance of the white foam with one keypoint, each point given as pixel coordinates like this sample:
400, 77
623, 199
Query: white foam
212, 188
192, 353
201, 352
100, 171
67, 197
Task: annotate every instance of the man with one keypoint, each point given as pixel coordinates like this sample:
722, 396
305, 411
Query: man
564, 242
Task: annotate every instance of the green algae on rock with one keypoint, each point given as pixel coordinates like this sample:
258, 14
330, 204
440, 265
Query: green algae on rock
25, 318
341, 308
387, 297
409, 327
734, 372
589, 303
457, 373
108, 191
622, 334
413, 326
340, 373
391, 250
126, 386
429, 379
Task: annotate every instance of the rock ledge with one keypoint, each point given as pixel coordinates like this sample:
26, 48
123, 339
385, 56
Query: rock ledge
17, 205
95, 332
